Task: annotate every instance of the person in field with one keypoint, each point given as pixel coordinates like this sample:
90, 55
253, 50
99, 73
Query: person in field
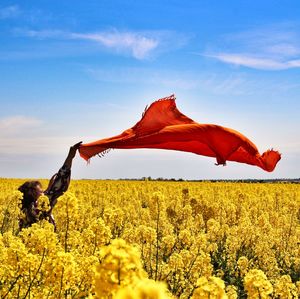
32, 190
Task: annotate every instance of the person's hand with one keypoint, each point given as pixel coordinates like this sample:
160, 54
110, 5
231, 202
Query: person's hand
73, 149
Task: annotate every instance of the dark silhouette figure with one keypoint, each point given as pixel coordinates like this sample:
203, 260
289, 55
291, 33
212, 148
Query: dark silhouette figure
32, 190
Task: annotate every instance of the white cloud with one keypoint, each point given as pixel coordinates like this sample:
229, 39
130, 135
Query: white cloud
271, 48
9, 12
23, 135
40, 34
17, 124
138, 44
283, 49
261, 63
36, 145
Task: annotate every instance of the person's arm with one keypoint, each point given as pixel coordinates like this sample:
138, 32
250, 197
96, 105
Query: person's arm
60, 181
71, 155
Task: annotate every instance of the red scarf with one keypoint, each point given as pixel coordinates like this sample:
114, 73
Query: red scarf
163, 126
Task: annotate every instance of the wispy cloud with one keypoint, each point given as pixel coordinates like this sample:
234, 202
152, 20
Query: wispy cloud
251, 61
137, 44
232, 83
29, 135
135, 75
29, 16
9, 12
17, 124
272, 48
29, 145
40, 34
235, 85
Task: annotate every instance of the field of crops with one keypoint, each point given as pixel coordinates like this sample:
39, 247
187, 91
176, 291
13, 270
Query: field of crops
129, 239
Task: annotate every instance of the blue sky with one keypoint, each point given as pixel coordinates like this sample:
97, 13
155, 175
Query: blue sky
85, 70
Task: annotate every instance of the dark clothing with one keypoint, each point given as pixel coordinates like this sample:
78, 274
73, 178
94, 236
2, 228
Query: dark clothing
58, 184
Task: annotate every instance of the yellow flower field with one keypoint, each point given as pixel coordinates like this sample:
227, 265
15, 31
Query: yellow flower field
130, 239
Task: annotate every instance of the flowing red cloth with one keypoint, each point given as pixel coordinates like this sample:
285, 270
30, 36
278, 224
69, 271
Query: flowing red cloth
163, 126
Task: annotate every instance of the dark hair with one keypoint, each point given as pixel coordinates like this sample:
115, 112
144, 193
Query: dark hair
29, 192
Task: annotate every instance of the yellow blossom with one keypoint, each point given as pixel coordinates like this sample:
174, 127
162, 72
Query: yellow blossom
210, 288
257, 285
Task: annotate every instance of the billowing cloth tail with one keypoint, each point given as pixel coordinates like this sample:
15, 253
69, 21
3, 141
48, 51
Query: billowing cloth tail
269, 159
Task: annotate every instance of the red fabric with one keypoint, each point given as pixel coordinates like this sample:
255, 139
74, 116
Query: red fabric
163, 126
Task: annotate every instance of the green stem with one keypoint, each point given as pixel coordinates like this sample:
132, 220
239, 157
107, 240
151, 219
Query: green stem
157, 241
67, 229
34, 277
61, 281
12, 286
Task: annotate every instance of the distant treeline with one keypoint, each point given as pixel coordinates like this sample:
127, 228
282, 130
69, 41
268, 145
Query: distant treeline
295, 181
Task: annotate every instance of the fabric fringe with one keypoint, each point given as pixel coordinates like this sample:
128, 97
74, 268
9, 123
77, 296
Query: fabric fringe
102, 154
171, 97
